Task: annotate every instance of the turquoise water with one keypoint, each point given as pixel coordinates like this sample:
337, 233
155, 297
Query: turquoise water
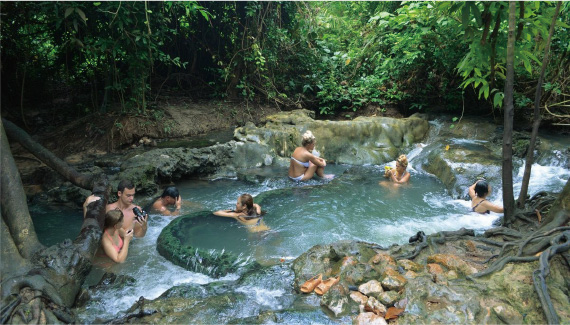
54, 224
352, 206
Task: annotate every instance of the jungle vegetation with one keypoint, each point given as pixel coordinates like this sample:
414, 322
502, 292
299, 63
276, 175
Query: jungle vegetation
332, 57
74, 59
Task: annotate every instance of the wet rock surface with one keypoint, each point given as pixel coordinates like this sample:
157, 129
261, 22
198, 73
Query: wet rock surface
171, 245
432, 287
373, 140
460, 155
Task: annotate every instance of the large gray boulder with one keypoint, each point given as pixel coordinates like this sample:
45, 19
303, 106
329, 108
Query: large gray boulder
364, 140
171, 164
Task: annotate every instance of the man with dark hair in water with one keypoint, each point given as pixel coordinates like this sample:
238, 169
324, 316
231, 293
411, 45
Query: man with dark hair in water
169, 199
126, 194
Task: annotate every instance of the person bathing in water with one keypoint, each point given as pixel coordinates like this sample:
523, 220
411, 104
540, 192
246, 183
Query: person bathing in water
116, 240
479, 203
169, 200
247, 213
304, 164
399, 175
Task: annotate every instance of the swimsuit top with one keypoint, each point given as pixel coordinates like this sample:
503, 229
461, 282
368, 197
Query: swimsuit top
476, 205
403, 174
252, 216
117, 248
304, 164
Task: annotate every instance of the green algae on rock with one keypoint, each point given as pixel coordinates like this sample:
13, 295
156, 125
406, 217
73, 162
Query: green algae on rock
211, 262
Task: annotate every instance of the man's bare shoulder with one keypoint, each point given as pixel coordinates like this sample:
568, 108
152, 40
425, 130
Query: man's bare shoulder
111, 206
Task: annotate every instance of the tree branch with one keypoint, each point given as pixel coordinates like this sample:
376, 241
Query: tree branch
68, 172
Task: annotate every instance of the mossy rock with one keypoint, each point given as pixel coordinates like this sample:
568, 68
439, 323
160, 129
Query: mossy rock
211, 262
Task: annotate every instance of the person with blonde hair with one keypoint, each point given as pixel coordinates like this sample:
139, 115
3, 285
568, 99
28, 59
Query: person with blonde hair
116, 240
399, 175
304, 163
247, 213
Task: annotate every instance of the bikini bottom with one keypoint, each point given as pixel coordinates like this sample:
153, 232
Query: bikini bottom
298, 178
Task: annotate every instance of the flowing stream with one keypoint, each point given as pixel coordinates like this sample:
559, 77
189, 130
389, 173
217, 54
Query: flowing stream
352, 206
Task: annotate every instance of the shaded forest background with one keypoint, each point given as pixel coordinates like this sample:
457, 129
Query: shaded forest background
72, 59
82, 62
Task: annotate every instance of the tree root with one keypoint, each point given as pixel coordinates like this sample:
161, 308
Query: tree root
423, 244
434, 240
526, 219
498, 265
8, 308
503, 231
489, 241
559, 244
538, 235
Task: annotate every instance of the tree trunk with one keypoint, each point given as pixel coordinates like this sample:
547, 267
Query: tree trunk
507, 173
17, 134
38, 284
493, 40
14, 206
537, 117
560, 207
521, 20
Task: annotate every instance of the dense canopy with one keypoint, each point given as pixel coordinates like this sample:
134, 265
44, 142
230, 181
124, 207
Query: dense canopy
332, 57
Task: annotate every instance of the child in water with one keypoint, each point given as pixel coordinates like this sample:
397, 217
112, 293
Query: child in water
247, 213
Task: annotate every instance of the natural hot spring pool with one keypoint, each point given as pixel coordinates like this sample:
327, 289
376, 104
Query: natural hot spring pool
352, 206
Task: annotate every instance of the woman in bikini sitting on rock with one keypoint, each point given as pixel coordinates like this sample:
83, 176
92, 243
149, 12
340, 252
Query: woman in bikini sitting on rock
479, 203
304, 164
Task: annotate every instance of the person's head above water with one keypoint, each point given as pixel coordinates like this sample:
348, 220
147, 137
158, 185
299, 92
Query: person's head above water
481, 188
112, 218
402, 161
308, 138
170, 191
245, 204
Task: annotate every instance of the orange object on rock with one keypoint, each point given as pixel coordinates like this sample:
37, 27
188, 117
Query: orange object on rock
310, 284
326, 285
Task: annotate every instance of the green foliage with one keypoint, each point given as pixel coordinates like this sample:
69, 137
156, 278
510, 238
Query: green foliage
114, 44
334, 57
382, 54
483, 67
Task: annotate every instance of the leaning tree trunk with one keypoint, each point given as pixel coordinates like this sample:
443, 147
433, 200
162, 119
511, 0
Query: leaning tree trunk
39, 285
46, 156
507, 174
537, 117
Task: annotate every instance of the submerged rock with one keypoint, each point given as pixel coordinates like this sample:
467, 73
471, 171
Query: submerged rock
369, 318
215, 263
